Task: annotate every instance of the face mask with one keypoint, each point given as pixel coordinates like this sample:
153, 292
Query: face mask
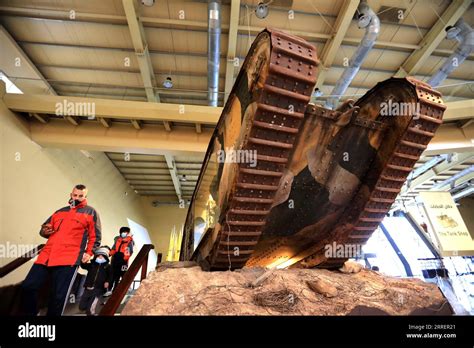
99, 261
123, 234
74, 202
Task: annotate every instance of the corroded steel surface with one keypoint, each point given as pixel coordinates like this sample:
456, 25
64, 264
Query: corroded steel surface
317, 176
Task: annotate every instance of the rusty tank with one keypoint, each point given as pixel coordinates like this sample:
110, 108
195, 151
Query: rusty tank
283, 178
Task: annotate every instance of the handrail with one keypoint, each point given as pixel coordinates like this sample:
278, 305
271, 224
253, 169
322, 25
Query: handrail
141, 261
13, 265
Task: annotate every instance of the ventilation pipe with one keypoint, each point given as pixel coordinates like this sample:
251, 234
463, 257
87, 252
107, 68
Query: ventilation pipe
213, 48
464, 193
428, 165
368, 20
464, 34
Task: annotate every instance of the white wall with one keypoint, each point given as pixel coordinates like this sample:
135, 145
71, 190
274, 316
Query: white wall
162, 220
140, 238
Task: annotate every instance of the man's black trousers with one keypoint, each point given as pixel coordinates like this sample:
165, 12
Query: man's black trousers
62, 278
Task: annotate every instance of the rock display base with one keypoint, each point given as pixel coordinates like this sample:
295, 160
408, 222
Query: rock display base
184, 289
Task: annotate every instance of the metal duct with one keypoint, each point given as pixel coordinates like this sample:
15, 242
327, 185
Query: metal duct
464, 34
213, 47
368, 20
427, 166
452, 180
464, 193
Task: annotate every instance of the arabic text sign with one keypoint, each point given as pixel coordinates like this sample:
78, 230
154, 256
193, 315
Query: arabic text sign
449, 229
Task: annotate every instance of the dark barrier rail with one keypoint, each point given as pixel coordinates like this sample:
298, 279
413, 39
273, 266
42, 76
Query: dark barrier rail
141, 261
13, 265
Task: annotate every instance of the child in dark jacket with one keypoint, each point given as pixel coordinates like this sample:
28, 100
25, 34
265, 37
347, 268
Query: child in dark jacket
99, 276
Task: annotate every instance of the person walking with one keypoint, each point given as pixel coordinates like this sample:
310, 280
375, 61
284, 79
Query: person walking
98, 279
121, 252
73, 233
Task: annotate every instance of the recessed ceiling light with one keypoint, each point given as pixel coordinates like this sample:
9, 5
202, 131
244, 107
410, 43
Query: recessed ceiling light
148, 2
261, 11
168, 83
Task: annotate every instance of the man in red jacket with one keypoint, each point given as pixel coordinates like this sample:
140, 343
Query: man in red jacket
73, 233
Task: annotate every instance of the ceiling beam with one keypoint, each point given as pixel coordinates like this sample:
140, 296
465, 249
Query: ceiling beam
104, 122
120, 49
125, 70
174, 175
177, 93
35, 13
183, 141
346, 13
404, 47
72, 120
137, 33
42, 118
124, 109
231, 47
204, 75
463, 193
112, 108
136, 124
16, 64
435, 171
99, 17
141, 48
121, 138
352, 41
133, 167
144, 171
433, 38
167, 126
62, 15
165, 182
459, 110
462, 177
465, 123
451, 138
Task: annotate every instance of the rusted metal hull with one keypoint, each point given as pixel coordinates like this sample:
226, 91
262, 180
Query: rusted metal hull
319, 176
344, 179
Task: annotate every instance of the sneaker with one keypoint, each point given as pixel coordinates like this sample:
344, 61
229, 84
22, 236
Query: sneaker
108, 293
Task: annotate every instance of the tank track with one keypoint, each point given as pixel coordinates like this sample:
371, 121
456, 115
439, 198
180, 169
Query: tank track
272, 129
272, 134
407, 152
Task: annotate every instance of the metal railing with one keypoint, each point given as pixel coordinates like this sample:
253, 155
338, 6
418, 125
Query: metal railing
140, 261
13, 265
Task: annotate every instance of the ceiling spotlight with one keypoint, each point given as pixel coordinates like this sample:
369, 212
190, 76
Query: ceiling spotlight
261, 11
364, 20
183, 178
452, 33
148, 2
168, 83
